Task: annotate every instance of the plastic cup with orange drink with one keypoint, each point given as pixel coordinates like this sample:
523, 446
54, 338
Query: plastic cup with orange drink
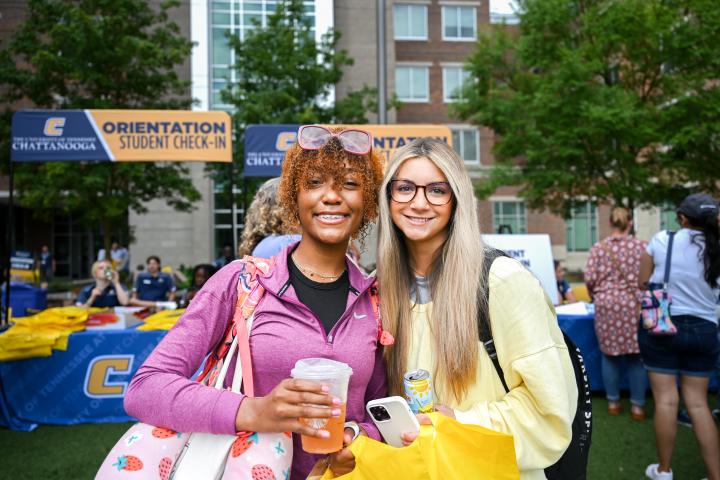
336, 375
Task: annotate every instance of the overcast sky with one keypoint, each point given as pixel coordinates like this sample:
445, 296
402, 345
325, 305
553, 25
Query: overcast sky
502, 6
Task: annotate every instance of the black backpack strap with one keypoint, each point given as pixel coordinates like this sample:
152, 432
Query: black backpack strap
484, 329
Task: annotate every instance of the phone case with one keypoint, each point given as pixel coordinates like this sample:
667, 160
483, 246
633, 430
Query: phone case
401, 419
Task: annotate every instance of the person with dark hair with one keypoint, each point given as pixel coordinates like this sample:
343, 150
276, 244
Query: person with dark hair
691, 354
611, 276
46, 265
565, 294
316, 303
201, 274
226, 256
152, 286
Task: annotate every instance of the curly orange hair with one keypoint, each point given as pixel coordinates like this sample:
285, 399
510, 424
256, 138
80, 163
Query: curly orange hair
331, 161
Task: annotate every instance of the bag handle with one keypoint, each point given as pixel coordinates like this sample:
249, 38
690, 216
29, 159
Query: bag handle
220, 380
668, 257
242, 375
617, 265
243, 366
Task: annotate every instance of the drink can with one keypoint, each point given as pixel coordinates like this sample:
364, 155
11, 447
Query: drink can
418, 391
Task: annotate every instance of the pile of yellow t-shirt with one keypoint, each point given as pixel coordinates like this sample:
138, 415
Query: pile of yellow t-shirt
38, 335
163, 320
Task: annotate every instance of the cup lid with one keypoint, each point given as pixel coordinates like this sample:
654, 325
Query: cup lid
320, 368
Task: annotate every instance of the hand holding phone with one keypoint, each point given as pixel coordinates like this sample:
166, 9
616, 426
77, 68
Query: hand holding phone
393, 417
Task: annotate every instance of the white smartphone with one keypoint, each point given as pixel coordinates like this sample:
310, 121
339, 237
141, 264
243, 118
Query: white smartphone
392, 416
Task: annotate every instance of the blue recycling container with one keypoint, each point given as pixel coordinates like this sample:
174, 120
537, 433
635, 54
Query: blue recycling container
24, 296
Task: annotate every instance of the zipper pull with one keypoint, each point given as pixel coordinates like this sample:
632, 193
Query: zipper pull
330, 339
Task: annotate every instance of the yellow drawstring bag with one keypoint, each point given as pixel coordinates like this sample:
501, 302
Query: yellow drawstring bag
445, 450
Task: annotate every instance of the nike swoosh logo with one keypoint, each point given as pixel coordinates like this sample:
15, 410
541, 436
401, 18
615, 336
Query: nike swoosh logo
359, 316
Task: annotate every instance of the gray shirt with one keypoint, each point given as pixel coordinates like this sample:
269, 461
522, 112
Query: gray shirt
420, 292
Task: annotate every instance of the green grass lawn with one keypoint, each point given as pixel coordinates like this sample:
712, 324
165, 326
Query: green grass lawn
621, 449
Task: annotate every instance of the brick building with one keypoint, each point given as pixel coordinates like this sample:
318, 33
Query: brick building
427, 42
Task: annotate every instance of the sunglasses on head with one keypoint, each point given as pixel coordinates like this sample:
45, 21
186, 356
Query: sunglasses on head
314, 137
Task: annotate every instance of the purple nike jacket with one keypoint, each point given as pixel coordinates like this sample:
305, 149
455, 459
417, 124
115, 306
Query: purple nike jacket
284, 330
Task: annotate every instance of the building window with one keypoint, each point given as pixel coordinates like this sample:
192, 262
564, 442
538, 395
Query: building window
509, 217
453, 80
411, 84
581, 227
668, 217
466, 141
459, 23
237, 18
222, 216
410, 22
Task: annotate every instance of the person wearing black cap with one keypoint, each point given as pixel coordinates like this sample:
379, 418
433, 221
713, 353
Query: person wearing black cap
691, 353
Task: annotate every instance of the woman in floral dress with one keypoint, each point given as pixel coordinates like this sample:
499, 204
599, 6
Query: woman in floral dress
611, 276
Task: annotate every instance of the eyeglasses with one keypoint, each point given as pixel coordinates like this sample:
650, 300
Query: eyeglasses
314, 137
436, 193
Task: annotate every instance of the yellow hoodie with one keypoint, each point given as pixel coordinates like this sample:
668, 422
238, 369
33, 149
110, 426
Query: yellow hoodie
539, 409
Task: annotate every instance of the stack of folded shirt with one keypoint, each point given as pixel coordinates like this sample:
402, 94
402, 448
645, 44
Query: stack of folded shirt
163, 320
38, 335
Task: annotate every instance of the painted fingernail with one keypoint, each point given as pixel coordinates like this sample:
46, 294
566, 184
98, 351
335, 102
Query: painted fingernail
337, 401
324, 433
335, 412
325, 389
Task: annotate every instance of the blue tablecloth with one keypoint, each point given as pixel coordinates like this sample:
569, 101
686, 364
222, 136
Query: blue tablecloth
84, 384
581, 330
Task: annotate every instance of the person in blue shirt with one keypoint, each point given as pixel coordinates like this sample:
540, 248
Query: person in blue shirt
152, 286
565, 294
106, 291
46, 265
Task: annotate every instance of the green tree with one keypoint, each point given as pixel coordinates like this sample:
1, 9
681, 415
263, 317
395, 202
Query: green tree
285, 76
614, 101
95, 54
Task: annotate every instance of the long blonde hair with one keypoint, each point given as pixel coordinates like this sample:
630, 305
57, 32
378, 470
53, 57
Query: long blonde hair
455, 283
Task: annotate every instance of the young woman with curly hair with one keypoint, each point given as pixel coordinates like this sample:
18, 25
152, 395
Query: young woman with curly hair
316, 304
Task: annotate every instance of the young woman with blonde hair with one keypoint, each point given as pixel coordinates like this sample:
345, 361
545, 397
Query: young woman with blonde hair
430, 257
611, 276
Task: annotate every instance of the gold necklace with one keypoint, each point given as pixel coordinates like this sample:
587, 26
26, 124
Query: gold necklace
313, 273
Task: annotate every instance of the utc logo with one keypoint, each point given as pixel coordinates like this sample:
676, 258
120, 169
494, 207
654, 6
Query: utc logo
54, 126
97, 377
285, 140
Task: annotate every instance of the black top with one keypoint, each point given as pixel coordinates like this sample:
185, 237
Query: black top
326, 300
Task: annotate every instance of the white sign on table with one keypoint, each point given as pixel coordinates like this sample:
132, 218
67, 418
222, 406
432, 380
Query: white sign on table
533, 251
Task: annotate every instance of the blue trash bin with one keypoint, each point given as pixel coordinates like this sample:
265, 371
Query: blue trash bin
24, 296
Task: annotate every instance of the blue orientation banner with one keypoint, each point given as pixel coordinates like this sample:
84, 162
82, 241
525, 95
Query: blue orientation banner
120, 136
265, 145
